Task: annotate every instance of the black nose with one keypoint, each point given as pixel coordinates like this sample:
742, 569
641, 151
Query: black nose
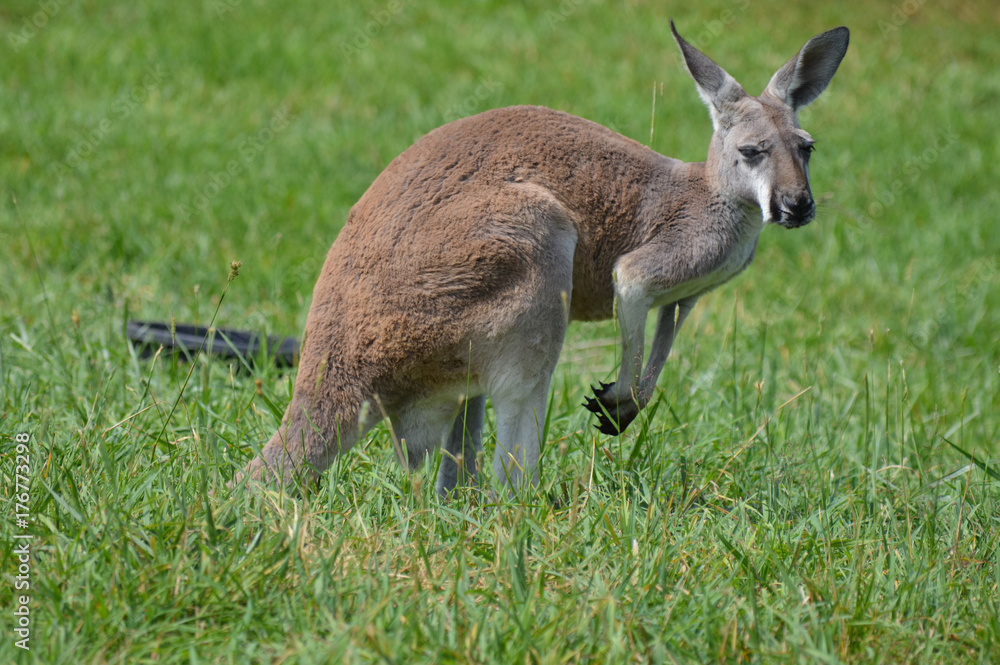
797, 211
801, 207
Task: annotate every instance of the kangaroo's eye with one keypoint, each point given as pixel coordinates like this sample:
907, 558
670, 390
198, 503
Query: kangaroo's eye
808, 149
750, 152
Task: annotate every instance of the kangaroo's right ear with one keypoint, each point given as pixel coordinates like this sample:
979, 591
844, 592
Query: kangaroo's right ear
717, 89
804, 77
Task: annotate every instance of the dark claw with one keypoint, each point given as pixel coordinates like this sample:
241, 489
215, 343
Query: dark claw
605, 426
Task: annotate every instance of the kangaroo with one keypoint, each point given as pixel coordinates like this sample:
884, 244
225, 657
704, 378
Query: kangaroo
457, 272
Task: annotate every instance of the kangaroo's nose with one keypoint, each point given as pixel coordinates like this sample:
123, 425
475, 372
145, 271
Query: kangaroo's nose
800, 206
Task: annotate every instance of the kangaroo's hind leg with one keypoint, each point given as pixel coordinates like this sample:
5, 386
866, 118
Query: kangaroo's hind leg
422, 427
520, 423
462, 447
524, 358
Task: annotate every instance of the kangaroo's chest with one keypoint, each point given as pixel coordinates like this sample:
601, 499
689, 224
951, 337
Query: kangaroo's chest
735, 262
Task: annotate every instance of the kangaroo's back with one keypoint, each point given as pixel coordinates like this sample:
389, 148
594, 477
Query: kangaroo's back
436, 192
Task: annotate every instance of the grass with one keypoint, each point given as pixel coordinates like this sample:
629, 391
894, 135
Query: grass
815, 483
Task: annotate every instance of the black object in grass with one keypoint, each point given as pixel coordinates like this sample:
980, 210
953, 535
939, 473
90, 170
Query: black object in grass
187, 340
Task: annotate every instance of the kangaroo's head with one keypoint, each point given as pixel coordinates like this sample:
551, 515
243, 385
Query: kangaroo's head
758, 154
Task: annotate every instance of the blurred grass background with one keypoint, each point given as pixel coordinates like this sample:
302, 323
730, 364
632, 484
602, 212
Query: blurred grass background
119, 126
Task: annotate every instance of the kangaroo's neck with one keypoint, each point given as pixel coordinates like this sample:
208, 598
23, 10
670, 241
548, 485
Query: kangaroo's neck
685, 198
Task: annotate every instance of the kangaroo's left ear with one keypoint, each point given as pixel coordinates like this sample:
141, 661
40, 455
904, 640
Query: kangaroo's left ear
801, 80
717, 88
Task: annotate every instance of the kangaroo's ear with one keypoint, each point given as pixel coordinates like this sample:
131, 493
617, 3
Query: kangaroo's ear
719, 90
800, 80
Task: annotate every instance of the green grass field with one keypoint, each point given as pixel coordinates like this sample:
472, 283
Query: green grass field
813, 484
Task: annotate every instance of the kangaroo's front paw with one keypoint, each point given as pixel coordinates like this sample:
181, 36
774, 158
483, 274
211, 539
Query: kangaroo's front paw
613, 413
